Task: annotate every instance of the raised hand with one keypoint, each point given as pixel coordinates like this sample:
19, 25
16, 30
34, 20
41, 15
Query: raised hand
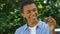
51, 22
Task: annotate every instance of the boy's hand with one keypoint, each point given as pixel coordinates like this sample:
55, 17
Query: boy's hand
51, 22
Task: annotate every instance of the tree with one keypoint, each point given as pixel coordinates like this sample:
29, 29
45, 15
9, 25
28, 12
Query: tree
11, 19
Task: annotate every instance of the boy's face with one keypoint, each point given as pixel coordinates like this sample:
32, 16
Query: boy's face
30, 12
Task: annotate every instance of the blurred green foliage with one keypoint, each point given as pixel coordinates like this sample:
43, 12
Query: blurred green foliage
11, 19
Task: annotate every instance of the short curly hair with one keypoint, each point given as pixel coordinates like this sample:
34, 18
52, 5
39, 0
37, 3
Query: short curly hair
25, 2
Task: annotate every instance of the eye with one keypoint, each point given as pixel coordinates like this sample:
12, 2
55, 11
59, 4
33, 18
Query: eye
28, 11
34, 10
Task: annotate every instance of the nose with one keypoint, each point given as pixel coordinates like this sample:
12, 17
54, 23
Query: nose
33, 14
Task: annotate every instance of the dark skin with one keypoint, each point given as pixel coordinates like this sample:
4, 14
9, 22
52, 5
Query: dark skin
52, 23
30, 12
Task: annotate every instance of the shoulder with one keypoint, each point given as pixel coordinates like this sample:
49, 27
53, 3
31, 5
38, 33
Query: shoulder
43, 24
20, 29
45, 27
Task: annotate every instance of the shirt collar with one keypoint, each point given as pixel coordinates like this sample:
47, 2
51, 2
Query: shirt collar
25, 27
39, 25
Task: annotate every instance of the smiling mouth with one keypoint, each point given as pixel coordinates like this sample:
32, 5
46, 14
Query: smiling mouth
32, 17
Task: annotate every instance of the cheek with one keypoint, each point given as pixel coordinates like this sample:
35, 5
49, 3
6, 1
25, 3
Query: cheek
27, 16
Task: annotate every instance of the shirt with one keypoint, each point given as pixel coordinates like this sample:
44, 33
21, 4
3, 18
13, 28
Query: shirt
33, 29
42, 28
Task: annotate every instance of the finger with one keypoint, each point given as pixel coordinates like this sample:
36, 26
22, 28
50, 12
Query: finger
50, 20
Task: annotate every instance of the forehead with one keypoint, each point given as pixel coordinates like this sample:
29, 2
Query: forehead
29, 6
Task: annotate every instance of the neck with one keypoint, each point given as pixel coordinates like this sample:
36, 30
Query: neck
32, 24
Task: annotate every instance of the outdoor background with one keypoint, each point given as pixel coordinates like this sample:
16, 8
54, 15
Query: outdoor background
11, 19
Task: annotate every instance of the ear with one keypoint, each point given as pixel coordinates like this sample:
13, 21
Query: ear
23, 15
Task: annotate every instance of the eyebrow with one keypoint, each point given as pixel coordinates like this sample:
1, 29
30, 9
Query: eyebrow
35, 8
32, 9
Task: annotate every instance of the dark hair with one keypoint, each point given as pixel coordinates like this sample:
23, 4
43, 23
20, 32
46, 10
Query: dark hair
25, 2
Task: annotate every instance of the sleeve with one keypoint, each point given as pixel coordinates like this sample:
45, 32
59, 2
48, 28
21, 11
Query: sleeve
16, 32
48, 31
